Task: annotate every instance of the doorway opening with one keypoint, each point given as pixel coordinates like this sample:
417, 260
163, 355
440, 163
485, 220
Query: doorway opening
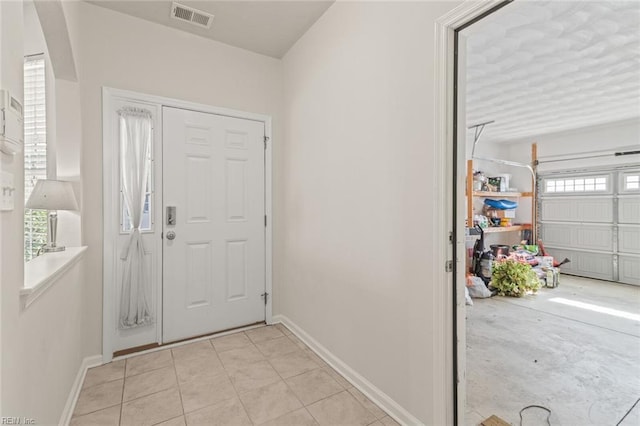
517, 70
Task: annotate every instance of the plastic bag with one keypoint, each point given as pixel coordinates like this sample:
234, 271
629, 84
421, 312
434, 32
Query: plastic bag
467, 298
477, 288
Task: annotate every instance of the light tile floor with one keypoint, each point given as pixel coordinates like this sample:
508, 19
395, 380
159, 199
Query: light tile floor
264, 376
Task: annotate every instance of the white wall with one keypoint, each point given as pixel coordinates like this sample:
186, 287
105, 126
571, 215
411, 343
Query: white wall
44, 343
46, 350
150, 58
353, 265
67, 153
11, 222
11, 230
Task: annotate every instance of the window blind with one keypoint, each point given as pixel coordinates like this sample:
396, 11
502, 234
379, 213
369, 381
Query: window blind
35, 152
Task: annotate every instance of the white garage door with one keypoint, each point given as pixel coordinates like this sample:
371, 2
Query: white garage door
594, 220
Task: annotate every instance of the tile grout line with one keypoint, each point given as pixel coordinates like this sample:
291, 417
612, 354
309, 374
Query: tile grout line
102, 383
344, 389
94, 411
244, 407
237, 396
251, 343
175, 372
299, 347
124, 379
332, 395
226, 374
155, 424
281, 379
304, 372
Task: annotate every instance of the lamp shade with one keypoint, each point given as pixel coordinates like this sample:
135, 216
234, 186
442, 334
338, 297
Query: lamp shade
52, 195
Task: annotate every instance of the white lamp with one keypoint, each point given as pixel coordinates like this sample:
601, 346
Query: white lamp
52, 195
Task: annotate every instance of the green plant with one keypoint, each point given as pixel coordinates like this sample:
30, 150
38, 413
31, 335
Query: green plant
513, 278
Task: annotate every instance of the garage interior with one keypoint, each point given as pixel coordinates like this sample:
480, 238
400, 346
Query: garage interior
552, 112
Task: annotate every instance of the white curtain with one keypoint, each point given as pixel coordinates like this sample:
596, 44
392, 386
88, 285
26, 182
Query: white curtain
135, 159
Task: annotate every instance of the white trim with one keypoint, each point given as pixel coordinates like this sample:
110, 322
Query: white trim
74, 393
377, 396
268, 207
112, 222
108, 246
109, 252
41, 272
442, 165
177, 103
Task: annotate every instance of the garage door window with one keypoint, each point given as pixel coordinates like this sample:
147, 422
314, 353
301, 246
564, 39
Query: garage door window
581, 184
632, 182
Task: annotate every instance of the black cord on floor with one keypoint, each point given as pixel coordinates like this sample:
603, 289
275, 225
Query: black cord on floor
542, 408
627, 413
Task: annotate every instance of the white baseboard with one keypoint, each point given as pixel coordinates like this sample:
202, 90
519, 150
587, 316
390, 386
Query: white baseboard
377, 396
87, 363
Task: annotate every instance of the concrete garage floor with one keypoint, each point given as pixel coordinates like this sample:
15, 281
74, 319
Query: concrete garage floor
581, 363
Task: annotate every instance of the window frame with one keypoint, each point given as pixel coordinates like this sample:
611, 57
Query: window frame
623, 189
50, 164
595, 176
124, 218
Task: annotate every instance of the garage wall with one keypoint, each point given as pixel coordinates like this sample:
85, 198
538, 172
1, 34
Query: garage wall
354, 268
624, 135
612, 137
150, 58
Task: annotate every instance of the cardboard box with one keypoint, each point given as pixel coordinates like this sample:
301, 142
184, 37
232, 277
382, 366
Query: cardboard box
502, 214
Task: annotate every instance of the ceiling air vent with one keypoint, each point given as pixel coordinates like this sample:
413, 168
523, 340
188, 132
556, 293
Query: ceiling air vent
189, 14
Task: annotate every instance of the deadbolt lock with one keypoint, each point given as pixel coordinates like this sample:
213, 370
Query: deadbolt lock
171, 215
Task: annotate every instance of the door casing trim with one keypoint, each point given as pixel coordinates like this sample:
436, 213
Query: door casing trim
109, 95
449, 309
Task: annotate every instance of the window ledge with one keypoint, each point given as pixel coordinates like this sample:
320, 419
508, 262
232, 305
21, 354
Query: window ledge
43, 271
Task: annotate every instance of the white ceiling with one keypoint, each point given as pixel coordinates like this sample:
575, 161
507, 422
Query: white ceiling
548, 66
266, 27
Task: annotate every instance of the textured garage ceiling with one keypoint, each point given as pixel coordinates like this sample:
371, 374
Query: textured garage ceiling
538, 67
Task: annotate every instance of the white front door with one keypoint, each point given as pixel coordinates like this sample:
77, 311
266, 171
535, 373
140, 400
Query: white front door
214, 250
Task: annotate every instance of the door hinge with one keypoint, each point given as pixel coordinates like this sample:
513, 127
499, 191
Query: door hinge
450, 237
265, 220
448, 266
162, 235
266, 297
266, 139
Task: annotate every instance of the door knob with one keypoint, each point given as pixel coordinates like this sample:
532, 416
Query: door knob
171, 235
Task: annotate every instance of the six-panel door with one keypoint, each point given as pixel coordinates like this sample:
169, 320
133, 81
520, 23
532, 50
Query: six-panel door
214, 267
